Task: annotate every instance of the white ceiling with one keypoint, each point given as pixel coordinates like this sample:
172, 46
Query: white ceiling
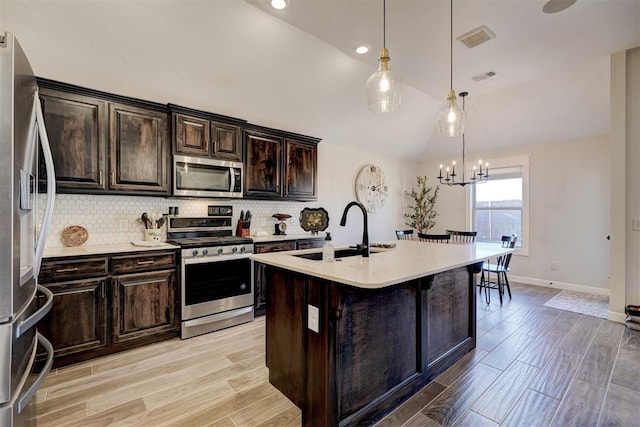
295, 69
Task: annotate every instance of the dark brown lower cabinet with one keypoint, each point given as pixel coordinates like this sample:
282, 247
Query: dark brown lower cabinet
77, 321
143, 305
103, 305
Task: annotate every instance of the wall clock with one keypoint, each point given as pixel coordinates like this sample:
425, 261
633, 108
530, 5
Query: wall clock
371, 187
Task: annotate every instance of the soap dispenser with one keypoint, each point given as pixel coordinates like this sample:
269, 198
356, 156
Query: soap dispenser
328, 251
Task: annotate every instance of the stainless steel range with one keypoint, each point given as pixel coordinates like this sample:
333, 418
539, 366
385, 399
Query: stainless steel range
215, 272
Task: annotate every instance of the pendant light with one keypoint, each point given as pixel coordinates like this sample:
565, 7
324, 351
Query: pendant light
384, 87
451, 120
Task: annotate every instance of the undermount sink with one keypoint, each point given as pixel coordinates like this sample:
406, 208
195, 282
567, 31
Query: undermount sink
340, 253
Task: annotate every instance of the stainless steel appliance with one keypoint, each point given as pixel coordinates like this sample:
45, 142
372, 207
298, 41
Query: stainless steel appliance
203, 177
215, 279
21, 126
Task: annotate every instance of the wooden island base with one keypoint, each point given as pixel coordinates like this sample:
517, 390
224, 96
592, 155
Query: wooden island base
373, 348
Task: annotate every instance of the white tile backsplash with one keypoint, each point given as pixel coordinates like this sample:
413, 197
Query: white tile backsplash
103, 216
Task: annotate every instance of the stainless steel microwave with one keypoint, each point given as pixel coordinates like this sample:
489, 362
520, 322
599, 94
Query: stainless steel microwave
201, 177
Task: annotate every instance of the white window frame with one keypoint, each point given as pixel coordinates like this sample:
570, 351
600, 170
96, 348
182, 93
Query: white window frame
522, 162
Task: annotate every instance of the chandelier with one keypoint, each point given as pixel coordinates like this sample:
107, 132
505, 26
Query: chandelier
477, 174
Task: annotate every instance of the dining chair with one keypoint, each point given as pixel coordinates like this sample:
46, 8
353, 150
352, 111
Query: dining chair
462, 236
436, 238
404, 234
500, 269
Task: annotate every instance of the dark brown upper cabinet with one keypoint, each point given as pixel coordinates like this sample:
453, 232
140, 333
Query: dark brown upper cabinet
77, 129
103, 143
280, 165
198, 133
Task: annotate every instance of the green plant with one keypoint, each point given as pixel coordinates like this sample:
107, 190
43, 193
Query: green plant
422, 213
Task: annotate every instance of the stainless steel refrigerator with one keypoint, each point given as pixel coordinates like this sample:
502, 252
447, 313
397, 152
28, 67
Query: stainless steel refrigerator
22, 301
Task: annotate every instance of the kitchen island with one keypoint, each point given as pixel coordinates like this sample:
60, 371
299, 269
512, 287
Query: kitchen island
348, 341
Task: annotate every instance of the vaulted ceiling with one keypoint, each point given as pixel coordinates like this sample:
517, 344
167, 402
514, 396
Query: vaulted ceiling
296, 68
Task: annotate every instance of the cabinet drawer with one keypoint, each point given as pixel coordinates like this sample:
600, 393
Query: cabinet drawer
289, 245
149, 261
311, 243
59, 270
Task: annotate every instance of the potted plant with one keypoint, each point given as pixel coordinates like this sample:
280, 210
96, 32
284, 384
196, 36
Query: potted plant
421, 213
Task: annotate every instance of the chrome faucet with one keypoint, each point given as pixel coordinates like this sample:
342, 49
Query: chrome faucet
365, 232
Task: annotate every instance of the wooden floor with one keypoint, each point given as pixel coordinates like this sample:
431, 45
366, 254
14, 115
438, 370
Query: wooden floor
533, 366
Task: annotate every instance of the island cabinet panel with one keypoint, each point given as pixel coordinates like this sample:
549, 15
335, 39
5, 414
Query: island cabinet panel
448, 311
370, 349
138, 149
143, 305
76, 127
77, 321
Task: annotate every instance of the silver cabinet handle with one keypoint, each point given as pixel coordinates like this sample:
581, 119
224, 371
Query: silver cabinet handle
100, 178
67, 270
145, 262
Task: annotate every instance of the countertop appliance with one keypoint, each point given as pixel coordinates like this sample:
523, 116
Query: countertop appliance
215, 278
21, 125
204, 177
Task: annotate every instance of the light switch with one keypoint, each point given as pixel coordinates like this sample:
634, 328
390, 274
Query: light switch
313, 318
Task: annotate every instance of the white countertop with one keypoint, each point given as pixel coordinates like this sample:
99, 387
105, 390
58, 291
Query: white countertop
296, 236
409, 260
102, 249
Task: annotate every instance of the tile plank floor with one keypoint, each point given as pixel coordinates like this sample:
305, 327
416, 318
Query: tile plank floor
533, 366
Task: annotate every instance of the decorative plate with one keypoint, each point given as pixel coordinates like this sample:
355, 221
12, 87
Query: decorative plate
314, 220
74, 235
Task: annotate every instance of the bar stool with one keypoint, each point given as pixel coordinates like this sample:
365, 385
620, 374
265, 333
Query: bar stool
436, 238
404, 234
462, 236
500, 268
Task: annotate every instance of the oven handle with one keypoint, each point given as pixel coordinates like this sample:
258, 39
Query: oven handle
210, 259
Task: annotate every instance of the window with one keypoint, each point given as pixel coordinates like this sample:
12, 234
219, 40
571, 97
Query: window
500, 205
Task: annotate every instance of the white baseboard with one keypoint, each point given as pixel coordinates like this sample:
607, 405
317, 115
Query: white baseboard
612, 316
559, 285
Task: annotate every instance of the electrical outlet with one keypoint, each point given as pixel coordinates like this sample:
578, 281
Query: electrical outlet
313, 318
554, 265
123, 226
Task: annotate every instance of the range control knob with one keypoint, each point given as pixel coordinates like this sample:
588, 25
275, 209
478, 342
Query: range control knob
234, 249
205, 252
242, 249
220, 250
194, 252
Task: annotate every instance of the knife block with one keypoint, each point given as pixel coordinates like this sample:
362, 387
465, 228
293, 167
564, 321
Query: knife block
242, 229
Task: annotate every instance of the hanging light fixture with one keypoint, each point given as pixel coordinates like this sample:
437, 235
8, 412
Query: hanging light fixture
451, 120
477, 174
384, 87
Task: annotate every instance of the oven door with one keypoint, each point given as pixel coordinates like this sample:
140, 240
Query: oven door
200, 177
215, 285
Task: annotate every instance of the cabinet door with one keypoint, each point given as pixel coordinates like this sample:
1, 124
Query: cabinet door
259, 279
192, 135
77, 128
77, 320
143, 305
226, 141
300, 170
263, 154
138, 150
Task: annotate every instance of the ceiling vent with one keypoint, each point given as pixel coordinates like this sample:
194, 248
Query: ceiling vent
476, 36
483, 76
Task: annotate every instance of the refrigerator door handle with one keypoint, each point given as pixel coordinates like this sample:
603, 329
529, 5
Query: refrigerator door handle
31, 321
51, 183
28, 394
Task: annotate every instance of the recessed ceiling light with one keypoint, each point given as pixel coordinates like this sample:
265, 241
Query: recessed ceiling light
362, 49
554, 6
279, 4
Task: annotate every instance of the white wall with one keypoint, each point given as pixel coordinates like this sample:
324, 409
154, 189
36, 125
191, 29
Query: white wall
569, 213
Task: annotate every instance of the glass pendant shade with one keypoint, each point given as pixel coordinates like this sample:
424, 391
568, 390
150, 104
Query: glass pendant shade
384, 87
451, 120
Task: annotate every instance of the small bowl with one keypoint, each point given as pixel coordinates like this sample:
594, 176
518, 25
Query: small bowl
633, 310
